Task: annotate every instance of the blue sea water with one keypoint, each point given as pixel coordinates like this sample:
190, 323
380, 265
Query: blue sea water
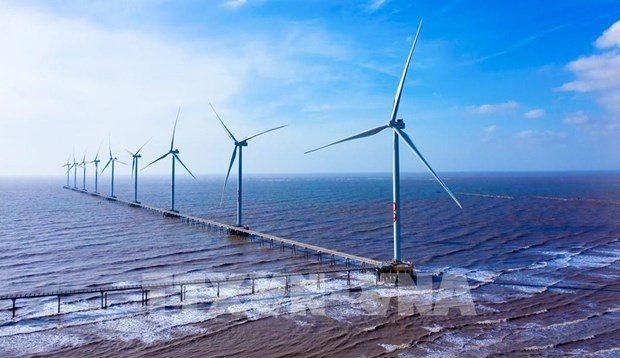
540, 252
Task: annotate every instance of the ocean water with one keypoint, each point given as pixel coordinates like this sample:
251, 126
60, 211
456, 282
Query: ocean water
539, 253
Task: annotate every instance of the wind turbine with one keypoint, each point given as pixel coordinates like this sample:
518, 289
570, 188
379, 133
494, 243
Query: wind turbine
134, 171
111, 160
69, 166
83, 165
175, 157
238, 146
75, 165
397, 126
96, 161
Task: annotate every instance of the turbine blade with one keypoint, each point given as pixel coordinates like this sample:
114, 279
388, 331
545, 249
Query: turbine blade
98, 149
263, 132
108, 163
223, 125
407, 140
232, 161
357, 136
175, 129
116, 160
180, 161
156, 160
145, 143
399, 89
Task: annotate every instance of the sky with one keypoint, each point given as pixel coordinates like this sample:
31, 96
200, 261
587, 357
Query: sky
493, 85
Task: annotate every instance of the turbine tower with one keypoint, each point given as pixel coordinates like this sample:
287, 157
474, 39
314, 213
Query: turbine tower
75, 165
134, 171
111, 160
96, 161
69, 166
83, 165
238, 146
175, 157
397, 126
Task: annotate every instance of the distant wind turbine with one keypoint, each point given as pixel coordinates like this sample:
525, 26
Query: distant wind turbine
69, 166
175, 157
96, 161
238, 146
83, 165
134, 171
111, 160
75, 165
397, 126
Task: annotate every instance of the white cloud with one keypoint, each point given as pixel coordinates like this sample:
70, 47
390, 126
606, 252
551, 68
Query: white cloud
541, 134
488, 132
235, 4
375, 5
494, 108
534, 113
579, 117
610, 38
600, 73
68, 83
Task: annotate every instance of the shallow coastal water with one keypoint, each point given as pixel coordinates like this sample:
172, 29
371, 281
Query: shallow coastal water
540, 252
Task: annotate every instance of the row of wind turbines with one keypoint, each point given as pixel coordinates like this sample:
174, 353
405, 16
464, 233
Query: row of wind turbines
174, 153
397, 126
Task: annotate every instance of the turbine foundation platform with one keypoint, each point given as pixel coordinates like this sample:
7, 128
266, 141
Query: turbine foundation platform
233, 232
171, 213
397, 272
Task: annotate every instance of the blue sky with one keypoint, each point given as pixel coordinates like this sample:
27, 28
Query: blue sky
493, 85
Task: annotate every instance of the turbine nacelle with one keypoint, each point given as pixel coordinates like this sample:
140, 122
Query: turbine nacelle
399, 123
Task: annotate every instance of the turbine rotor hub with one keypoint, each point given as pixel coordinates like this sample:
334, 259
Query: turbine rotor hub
399, 123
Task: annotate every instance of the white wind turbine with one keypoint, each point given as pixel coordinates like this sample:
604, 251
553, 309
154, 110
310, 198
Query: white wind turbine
397, 126
134, 171
83, 165
96, 162
175, 157
112, 160
238, 146
69, 166
75, 165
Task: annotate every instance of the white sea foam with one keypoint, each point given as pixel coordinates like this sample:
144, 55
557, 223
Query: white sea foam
492, 321
603, 353
434, 328
564, 324
592, 261
539, 348
390, 348
36, 343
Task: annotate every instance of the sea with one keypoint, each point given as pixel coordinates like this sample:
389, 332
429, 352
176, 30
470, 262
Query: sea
535, 258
